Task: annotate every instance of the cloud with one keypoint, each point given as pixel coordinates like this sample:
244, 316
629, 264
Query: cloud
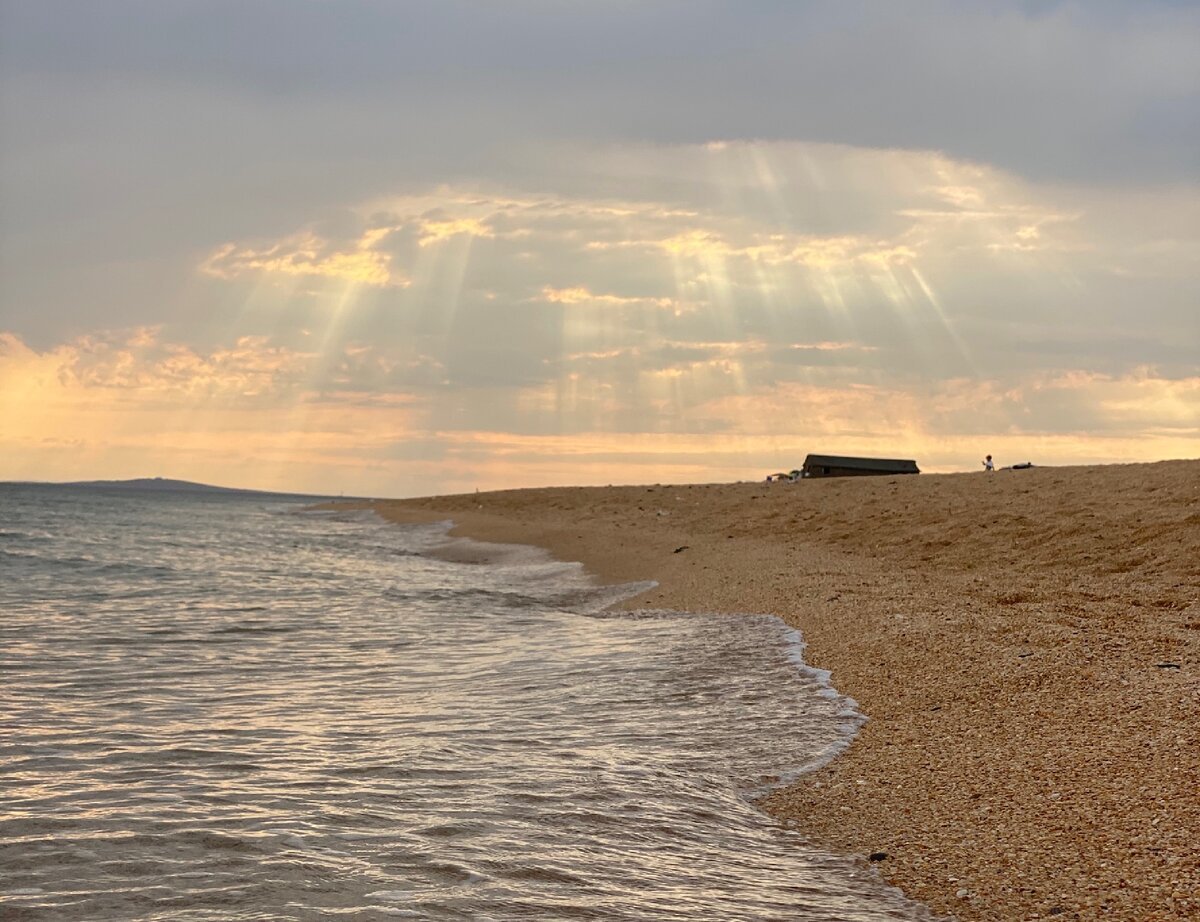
942, 268
132, 404
138, 361
129, 404
982, 82
581, 295
195, 136
434, 230
762, 299
305, 254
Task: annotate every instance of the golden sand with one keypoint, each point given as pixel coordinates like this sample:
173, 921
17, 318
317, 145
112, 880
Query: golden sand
1026, 645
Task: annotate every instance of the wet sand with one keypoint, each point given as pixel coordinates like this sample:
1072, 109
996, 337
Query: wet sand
1026, 645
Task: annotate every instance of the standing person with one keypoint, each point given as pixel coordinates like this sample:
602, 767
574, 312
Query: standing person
987, 464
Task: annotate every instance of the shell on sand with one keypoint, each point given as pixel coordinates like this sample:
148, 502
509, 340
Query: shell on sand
1026, 645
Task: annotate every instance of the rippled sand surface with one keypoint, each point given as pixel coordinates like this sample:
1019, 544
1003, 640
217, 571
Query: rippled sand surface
220, 709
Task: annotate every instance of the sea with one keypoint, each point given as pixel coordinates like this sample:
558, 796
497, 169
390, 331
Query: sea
223, 707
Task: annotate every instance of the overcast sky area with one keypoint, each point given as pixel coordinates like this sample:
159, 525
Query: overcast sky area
402, 248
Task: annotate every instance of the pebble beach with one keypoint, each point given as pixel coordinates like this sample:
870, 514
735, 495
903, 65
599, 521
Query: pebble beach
1025, 645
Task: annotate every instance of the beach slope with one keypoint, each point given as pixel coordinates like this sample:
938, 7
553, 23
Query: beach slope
1026, 645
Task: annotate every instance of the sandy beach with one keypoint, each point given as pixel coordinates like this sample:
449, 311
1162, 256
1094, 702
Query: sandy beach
1026, 645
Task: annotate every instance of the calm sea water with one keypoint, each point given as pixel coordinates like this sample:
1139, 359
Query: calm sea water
225, 708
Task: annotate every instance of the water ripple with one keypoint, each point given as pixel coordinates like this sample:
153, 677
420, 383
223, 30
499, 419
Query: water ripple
215, 710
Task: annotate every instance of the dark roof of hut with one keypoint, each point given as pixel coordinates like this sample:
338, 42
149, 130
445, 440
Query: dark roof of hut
890, 465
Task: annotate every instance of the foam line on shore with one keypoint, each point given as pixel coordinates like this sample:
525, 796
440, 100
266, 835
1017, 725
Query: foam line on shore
1002, 630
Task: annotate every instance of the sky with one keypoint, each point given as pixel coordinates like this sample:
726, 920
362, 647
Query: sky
406, 248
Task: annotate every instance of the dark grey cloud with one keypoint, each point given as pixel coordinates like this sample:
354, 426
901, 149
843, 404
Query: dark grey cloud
1047, 89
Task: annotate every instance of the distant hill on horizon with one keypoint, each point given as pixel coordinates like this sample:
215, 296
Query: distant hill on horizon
155, 484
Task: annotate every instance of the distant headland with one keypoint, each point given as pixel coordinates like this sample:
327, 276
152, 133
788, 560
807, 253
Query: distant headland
163, 485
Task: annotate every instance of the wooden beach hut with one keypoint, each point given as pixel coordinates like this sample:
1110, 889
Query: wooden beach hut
838, 466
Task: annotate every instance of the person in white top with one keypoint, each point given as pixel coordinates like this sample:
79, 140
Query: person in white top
987, 464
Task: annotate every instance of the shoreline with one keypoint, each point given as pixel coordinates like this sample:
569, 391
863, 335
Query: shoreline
1025, 645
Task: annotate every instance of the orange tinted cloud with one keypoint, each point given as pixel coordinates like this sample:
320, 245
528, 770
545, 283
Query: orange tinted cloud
581, 295
306, 254
132, 405
435, 230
